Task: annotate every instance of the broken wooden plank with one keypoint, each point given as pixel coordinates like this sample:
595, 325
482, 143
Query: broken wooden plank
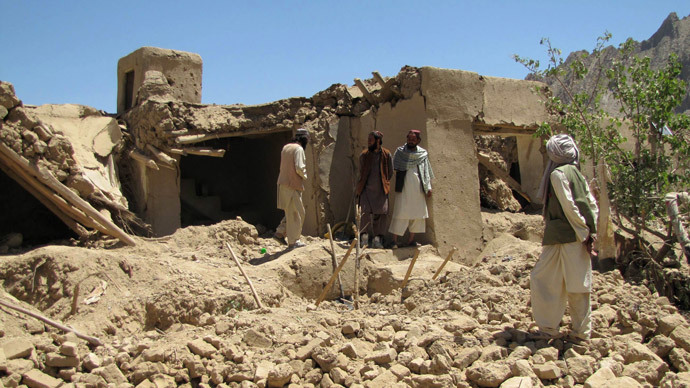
438, 271
504, 176
162, 156
190, 139
145, 160
251, 286
379, 79
369, 97
204, 151
176, 151
92, 340
502, 129
178, 132
386, 92
45, 177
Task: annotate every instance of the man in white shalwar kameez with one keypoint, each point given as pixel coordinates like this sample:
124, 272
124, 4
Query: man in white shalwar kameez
564, 271
413, 186
293, 174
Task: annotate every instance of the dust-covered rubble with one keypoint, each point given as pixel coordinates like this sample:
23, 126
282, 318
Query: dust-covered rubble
471, 327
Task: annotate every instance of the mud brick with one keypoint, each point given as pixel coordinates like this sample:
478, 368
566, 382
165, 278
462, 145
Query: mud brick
37, 379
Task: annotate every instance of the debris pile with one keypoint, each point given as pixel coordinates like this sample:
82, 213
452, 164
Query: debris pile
54, 153
181, 315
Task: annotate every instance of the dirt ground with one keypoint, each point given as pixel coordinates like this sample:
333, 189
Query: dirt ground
165, 296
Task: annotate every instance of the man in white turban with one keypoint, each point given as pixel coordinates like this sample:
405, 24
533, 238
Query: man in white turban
564, 271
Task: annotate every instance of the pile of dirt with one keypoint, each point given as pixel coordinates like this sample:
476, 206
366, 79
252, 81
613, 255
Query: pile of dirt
176, 311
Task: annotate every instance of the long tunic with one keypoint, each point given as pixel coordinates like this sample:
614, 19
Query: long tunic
411, 203
373, 199
564, 271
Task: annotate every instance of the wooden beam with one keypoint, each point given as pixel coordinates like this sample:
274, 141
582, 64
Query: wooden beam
504, 176
365, 91
386, 92
190, 139
50, 195
379, 79
502, 129
162, 156
145, 160
176, 151
45, 177
203, 151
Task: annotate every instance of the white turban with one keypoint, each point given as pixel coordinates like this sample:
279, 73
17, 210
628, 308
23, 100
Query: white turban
561, 150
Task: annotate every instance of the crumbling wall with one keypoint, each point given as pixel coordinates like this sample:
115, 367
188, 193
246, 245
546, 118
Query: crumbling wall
153, 71
73, 144
447, 106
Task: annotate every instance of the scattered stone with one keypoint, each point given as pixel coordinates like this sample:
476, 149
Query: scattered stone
518, 382
201, 348
256, 339
350, 327
547, 371
68, 348
17, 348
488, 375
280, 375
681, 335
37, 379
60, 361
91, 361
380, 357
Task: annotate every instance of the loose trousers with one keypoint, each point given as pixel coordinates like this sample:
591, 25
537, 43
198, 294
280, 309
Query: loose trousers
290, 201
562, 273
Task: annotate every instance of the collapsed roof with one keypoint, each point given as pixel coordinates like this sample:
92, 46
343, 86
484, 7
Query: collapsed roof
177, 155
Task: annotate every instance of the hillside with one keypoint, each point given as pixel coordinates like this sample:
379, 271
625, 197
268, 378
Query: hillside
673, 36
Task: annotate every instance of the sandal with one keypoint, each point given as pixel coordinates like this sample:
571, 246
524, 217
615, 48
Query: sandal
543, 335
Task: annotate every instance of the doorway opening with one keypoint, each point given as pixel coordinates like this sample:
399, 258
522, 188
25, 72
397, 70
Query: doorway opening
241, 183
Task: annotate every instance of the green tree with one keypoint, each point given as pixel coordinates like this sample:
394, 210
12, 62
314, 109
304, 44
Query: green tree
658, 160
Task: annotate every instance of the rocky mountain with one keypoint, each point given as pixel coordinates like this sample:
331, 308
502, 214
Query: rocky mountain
672, 37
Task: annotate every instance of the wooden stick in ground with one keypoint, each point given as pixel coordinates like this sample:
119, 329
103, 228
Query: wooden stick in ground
358, 220
335, 274
409, 269
251, 286
92, 340
438, 271
335, 261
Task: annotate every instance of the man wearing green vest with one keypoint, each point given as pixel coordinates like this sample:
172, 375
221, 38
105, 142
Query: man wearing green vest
564, 270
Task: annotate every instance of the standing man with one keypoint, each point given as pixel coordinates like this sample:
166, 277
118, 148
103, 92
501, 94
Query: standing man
413, 177
375, 171
564, 270
293, 173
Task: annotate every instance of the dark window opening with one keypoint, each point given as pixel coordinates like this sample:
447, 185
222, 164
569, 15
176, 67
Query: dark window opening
20, 212
241, 183
129, 89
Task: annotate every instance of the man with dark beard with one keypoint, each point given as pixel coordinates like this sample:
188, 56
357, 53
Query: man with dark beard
293, 173
375, 171
412, 183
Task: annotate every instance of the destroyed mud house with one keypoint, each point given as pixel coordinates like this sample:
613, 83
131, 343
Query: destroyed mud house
170, 161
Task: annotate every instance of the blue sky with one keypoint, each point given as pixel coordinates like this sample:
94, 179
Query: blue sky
261, 51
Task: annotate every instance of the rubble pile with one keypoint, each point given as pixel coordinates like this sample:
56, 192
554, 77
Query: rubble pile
471, 327
37, 142
42, 157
